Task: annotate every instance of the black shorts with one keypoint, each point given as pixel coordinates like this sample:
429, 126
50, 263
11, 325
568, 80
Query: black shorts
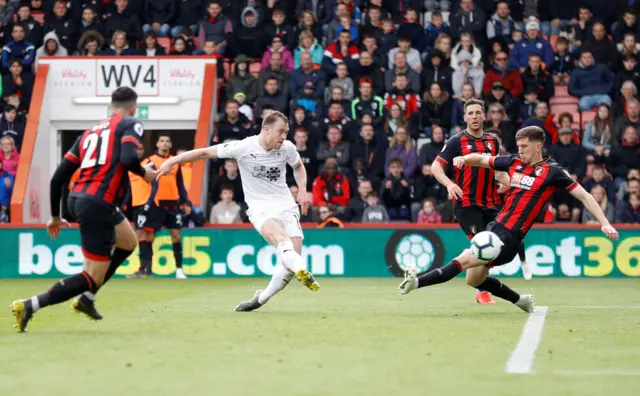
512, 242
135, 211
474, 219
98, 223
154, 218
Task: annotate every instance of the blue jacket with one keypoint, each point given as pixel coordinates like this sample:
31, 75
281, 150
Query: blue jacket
594, 80
5, 193
24, 50
523, 48
298, 78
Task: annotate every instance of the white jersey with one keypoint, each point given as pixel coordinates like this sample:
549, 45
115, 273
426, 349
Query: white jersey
263, 172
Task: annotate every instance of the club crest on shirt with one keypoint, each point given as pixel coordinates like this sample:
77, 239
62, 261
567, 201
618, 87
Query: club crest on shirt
539, 171
279, 154
489, 146
473, 229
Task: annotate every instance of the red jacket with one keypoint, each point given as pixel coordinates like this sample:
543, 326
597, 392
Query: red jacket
408, 100
333, 52
327, 191
511, 81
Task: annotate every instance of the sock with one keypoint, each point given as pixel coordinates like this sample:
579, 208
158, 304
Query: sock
63, 290
290, 259
521, 254
499, 289
117, 258
440, 275
146, 255
280, 279
177, 253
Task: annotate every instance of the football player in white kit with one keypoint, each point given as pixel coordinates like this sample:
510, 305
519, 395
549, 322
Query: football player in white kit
272, 210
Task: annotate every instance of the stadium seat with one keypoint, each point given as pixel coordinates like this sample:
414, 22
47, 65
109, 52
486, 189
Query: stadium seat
587, 116
166, 43
565, 108
563, 100
561, 90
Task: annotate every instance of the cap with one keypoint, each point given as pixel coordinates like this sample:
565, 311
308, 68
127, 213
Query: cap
239, 95
565, 130
498, 85
532, 25
364, 80
463, 56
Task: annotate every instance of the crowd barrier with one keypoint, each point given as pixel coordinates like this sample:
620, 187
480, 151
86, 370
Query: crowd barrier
357, 251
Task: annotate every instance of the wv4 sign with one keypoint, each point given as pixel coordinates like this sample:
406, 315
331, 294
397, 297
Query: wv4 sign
141, 75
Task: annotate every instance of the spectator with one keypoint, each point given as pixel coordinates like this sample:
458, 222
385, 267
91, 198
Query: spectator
243, 81
13, 125
32, 28
229, 179
466, 44
272, 97
563, 62
565, 120
90, 43
367, 101
469, 19
628, 73
327, 219
217, 27
630, 185
626, 156
534, 76
443, 43
277, 46
401, 67
336, 117
340, 51
308, 43
51, 47
335, 148
584, 28
304, 218
628, 91
61, 22
401, 148
226, 211
275, 70
89, 21
568, 154
278, 27
597, 134
244, 108
600, 178
502, 71
19, 49
411, 29
388, 38
7, 9
429, 214
543, 119
119, 46
159, 16
395, 192
528, 107
181, 47
6, 188
604, 50
466, 73
371, 150
497, 118
342, 81
19, 82
457, 111
358, 202
331, 187
9, 155
501, 24
628, 46
306, 73
628, 24
150, 47
309, 101
436, 109
632, 118
560, 14
189, 14
435, 28
394, 118
437, 71
426, 186
233, 125
307, 153
374, 212
124, 20
402, 94
247, 36
532, 44
379, 58
413, 56
600, 195
628, 212
429, 151
307, 22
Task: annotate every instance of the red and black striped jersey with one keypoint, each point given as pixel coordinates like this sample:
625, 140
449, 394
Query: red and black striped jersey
530, 190
97, 152
479, 187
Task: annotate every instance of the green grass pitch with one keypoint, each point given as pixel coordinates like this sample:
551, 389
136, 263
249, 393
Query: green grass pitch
353, 337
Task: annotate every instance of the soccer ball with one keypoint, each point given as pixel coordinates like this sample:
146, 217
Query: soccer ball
486, 245
415, 250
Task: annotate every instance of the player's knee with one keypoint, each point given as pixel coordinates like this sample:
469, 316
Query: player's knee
464, 259
96, 270
472, 279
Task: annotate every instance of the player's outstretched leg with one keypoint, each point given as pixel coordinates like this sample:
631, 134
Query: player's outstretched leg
526, 271
176, 243
280, 279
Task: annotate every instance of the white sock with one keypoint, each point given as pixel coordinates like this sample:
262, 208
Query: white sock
279, 281
35, 304
416, 283
90, 295
290, 259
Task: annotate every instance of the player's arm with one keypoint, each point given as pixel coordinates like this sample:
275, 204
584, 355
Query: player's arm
474, 159
60, 180
577, 191
442, 160
190, 156
131, 139
503, 178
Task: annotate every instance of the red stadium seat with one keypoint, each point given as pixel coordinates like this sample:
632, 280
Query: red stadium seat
166, 43
587, 116
566, 108
563, 100
561, 90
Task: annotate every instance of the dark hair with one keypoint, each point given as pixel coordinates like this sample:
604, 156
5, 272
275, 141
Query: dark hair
533, 133
9, 107
272, 77
586, 51
436, 13
494, 131
372, 194
224, 187
164, 134
472, 102
630, 11
633, 179
534, 55
346, 31
123, 97
17, 60
229, 101
562, 40
395, 160
563, 116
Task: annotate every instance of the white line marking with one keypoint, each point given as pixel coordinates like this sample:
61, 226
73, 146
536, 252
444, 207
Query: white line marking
598, 372
598, 306
521, 359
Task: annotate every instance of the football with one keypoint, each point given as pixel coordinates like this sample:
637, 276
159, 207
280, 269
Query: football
486, 245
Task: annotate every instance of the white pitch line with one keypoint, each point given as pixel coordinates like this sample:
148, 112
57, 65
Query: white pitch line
635, 373
521, 359
598, 306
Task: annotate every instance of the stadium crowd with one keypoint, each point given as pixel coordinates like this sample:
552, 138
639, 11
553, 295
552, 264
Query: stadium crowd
373, 88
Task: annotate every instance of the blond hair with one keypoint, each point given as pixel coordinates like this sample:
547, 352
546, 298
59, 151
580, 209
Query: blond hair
272, 117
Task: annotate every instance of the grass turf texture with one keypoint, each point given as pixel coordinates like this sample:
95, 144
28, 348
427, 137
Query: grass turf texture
353, 337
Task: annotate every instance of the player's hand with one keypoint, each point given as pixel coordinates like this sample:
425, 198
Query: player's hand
458, 162
502, 188
454, 191
187, 209
53, 226
610, 232
303, 200
149, 172
165, 168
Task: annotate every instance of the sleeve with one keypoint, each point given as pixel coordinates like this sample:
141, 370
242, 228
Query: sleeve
502, 163
73, 155
291, 154
130, 139
562, 179
60, 180
229, 150
450, 150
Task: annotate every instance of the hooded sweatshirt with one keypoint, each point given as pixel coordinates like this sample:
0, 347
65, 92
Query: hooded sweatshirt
246, 83
247, 37
10, 165
14, 129
42, 51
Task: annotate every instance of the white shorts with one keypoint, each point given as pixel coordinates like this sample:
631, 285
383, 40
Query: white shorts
289, 218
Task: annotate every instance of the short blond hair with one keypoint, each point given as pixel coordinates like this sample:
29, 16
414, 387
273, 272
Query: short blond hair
272, 117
